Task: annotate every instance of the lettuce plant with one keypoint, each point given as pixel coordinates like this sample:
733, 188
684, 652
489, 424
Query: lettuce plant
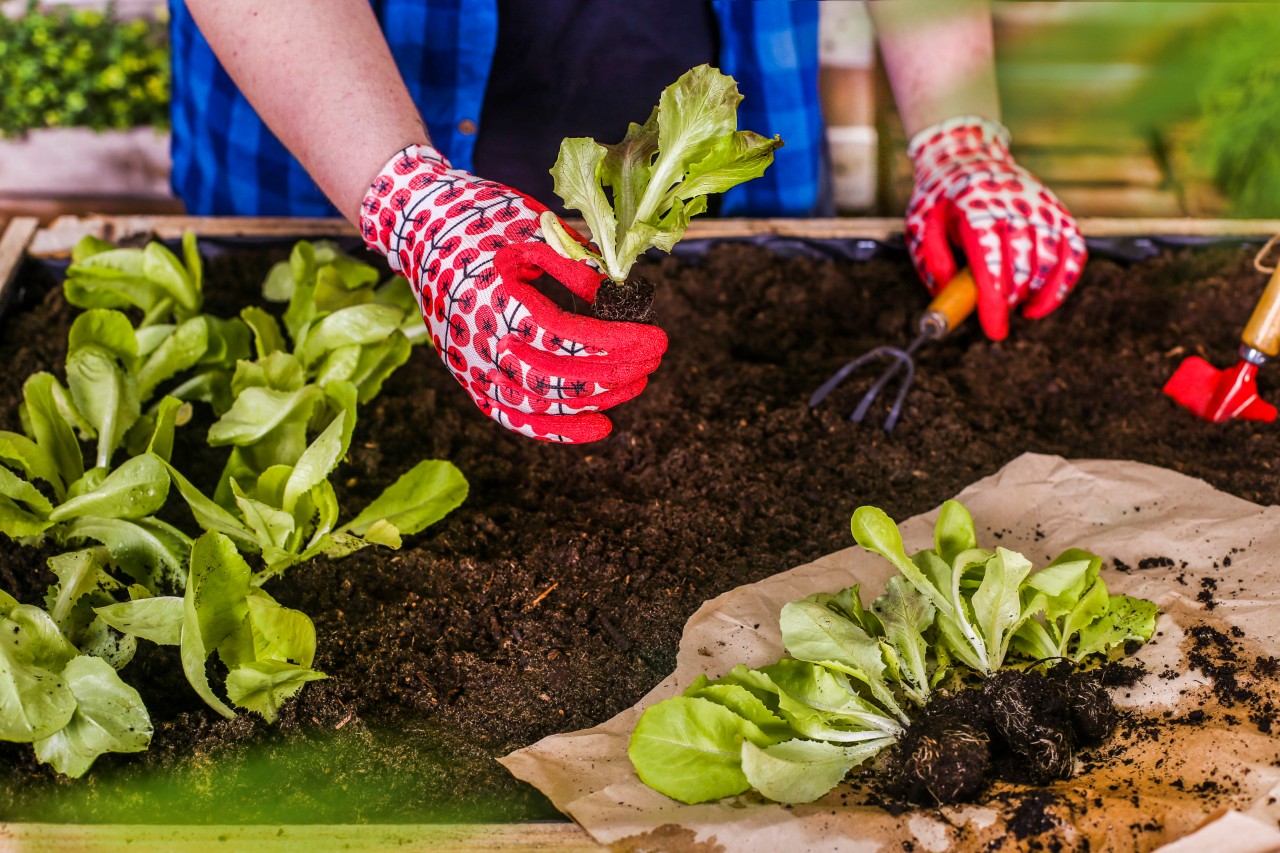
1074, 616
59, 689
792, 730
987, 601
267, 649
642, 192
974, 591
173, 336
289, 513
115, 507
329, 279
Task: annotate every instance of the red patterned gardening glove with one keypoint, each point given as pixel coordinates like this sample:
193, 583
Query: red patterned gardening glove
471, 249
1021, 243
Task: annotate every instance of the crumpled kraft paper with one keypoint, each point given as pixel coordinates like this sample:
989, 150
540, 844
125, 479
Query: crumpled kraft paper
1210, 778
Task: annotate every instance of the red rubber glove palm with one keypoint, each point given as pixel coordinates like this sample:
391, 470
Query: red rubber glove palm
471, 249
1021, 243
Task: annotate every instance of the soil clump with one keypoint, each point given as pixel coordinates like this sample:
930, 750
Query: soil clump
1018, 725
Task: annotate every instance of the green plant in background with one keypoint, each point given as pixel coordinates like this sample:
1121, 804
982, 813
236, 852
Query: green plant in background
1197, 83
287, 417
82, 68
1239, 111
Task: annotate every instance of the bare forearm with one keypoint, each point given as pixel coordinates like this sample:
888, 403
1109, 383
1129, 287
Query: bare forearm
321, 76
940, 58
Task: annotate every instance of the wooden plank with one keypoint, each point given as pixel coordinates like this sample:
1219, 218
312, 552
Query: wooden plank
1134, 202
1056, 166
63, 233
47, 209
58, 239
14, 242
437, 838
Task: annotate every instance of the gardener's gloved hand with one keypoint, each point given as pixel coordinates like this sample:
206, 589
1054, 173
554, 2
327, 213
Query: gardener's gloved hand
471, 249
1021, 243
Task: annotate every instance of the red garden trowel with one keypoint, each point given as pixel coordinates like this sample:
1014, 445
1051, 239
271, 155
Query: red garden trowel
1220, 395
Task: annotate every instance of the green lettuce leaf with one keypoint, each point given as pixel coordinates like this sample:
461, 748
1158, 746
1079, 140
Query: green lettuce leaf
425, 494
801, 771
691, 749
814, 633
136, 489
158, 620
215, 613
1125, 619
109, 717
263, 686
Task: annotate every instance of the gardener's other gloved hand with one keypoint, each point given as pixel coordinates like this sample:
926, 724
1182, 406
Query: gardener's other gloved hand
1021, 243
471, 249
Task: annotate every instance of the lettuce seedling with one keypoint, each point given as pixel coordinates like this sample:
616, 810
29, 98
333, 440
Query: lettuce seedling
151, 279
642, 192
267, 649
884, 648
975, 592
289, 512
791, 730
988, 602
113, 506
58, 683
323, 276
172, 336
1075, 616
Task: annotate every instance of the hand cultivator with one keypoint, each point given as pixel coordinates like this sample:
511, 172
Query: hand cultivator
951, 307
1220, 395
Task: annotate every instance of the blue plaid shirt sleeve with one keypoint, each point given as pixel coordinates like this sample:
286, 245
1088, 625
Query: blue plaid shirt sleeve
771, 48
227, 163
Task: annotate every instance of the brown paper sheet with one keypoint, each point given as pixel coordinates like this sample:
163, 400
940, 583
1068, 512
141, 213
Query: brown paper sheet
1163, 784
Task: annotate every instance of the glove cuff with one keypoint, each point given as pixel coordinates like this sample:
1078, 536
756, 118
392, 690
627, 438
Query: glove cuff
383, 211
959, 137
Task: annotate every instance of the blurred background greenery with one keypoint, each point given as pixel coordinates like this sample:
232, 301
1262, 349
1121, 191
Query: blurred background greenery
1196, 85
83, 67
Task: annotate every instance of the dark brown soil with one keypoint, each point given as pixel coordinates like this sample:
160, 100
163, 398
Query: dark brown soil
555, 596
632, 300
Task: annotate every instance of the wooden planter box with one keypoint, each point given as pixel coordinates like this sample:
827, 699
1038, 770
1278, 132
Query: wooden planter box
24, 238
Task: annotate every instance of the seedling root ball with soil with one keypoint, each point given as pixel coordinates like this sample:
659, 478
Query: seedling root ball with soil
631, 301
1019, 726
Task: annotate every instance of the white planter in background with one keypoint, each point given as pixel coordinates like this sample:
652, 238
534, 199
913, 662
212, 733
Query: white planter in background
75, 161
846, 51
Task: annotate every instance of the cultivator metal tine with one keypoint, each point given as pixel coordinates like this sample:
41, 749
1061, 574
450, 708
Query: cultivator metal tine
900, 359
948, 309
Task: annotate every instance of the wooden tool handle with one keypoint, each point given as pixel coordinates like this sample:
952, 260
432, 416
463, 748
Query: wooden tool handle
952, 306
1263, 331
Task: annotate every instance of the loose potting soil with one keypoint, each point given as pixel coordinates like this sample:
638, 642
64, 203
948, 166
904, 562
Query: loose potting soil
555, 596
